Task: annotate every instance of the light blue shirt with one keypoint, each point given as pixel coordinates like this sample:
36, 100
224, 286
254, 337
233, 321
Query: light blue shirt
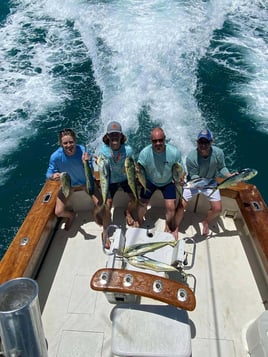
158, 166
209, 167
117, 161
73, 165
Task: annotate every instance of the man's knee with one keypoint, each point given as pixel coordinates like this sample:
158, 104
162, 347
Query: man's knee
216, 206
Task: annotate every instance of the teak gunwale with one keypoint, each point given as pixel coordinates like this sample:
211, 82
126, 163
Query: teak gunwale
22, 260
38, 227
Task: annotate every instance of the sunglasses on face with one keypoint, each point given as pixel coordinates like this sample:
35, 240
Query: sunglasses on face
155, 141
203, 142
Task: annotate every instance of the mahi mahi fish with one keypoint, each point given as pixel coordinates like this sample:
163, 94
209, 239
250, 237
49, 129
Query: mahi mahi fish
65, 180
104, 171
243, 175
143, 262
131, 177
201, 183
142, 176
142, 248
177, 175
89, 176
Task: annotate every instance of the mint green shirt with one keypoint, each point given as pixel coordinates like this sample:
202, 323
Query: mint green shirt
209, 167
158, 166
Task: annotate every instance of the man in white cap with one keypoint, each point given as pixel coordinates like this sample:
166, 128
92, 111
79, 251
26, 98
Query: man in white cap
206, 161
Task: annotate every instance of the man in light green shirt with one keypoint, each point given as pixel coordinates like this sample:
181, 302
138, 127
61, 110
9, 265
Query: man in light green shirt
206, 161
157, 160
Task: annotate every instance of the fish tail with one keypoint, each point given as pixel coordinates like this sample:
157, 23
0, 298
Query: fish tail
172, 243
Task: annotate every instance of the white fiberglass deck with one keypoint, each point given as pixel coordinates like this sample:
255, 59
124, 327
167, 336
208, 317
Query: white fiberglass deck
77, 320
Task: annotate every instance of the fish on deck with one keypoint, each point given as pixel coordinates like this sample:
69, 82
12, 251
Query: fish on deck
142, 248
143, 262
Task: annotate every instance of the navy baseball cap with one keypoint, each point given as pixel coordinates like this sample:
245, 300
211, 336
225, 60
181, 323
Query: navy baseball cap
205, 134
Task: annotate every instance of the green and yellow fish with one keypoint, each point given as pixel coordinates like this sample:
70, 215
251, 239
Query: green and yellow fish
104, 171
142, 248
90, 185
140, 261
178, 175
241, 176
131, 177
142, 176
65, 180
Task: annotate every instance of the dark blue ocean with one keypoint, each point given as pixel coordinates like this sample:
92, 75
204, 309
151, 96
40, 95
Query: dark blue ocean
183, 65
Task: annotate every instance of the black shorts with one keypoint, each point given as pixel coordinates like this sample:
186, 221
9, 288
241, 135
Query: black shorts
115, 186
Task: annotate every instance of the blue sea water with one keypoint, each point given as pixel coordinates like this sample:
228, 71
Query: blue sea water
183, 65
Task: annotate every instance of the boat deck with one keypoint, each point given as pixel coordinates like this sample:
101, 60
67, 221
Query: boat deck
77, 320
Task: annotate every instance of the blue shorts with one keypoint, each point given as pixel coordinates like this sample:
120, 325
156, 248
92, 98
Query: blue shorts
115, 186
168, 191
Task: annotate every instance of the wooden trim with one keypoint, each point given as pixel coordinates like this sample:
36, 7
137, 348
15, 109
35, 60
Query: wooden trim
138, 283
23, 260
255, 214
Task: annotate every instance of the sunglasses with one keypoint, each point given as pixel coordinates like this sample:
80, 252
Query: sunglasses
155, 141
203, 142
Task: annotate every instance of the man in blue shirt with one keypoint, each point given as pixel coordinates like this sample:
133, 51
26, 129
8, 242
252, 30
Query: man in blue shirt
206, 161
157, 160
68, 158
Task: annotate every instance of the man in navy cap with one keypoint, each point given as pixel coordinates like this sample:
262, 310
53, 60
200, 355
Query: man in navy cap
206, 161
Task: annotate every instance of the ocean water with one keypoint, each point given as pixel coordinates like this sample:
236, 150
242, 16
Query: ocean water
183, 65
